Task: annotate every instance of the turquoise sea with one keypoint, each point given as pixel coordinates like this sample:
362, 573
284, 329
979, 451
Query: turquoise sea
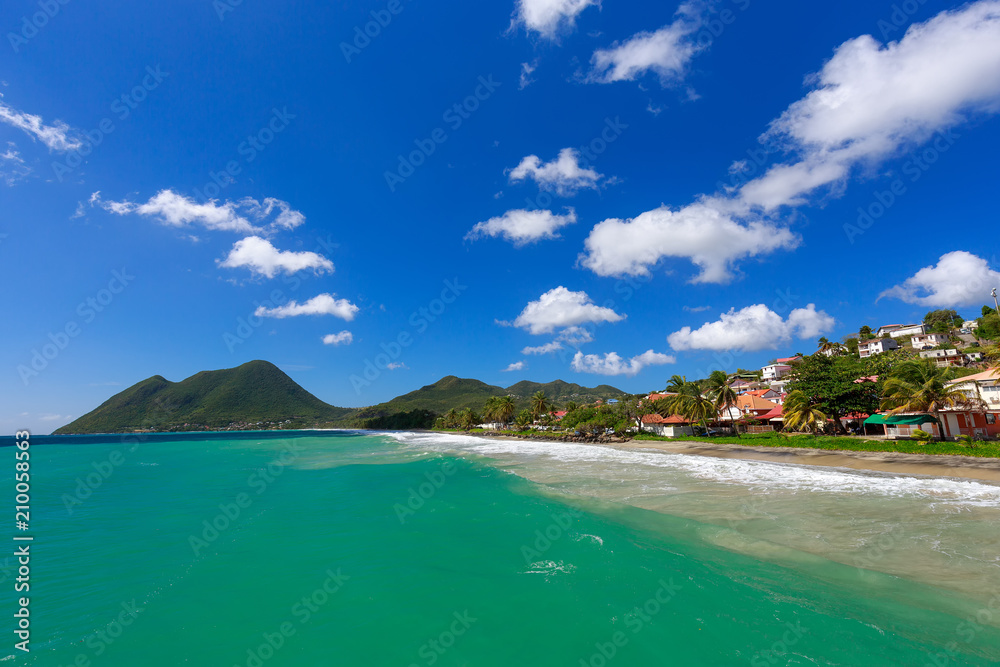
343, 548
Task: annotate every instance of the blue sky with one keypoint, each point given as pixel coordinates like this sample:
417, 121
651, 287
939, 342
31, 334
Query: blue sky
678, 185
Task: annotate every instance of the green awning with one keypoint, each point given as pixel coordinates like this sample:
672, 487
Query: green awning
900, 419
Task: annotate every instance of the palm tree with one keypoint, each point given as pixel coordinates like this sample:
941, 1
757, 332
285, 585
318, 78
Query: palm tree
723, 396
467, 418
571, 406
828, 347
800, 414
688, 403
918, 385
675, 383
539, 404
505, 409
490, 409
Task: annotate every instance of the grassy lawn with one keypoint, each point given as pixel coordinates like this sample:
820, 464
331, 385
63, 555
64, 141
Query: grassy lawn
983, 449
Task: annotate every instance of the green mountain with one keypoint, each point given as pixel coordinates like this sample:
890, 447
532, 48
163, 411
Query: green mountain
257, 391
459, 393
259, 395
561, 392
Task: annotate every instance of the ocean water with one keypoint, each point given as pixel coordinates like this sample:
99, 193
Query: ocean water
341, 548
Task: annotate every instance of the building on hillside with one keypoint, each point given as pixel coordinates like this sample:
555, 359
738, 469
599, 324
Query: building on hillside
900, 330
740, 385
970, 324
943, 358
927, 341
658, 395
558, 415
775, 372
748, 405
869, 348
670, 427
789, 361
984, 386
769, 393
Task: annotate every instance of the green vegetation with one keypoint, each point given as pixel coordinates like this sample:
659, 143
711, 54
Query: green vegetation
919, 386
453, 392
943, 321
801, 413
256, 394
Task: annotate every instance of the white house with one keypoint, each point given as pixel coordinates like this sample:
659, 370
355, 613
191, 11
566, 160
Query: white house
985, 385
970, 324
944, 358
669, 427
931, 339
775, 372
900, 330
869, 348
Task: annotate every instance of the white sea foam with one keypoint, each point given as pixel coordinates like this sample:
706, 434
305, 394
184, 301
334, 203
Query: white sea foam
758, 476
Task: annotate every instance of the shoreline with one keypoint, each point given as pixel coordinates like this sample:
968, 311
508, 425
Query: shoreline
928, 465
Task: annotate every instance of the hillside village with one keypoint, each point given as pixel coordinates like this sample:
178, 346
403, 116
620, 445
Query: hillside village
936, 379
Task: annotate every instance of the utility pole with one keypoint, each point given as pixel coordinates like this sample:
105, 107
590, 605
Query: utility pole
995, 300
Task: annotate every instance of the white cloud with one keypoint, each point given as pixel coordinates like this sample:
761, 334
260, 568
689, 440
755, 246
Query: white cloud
871, 100
287, 217
554, 346
667, 52
176, 210
576, 336
322, 304
56, 136
522, 227
613, 364
393, 365
958, 279
564, 175
12, 167
262, 258
548, 17
560, 308
704, 232
696, 309
527, 69
342, 338
516, 366
753, 328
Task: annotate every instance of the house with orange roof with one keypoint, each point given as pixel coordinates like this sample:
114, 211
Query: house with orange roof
750, 406
769, 394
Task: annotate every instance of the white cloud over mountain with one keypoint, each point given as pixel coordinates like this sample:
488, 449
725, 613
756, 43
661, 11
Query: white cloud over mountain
560, 308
